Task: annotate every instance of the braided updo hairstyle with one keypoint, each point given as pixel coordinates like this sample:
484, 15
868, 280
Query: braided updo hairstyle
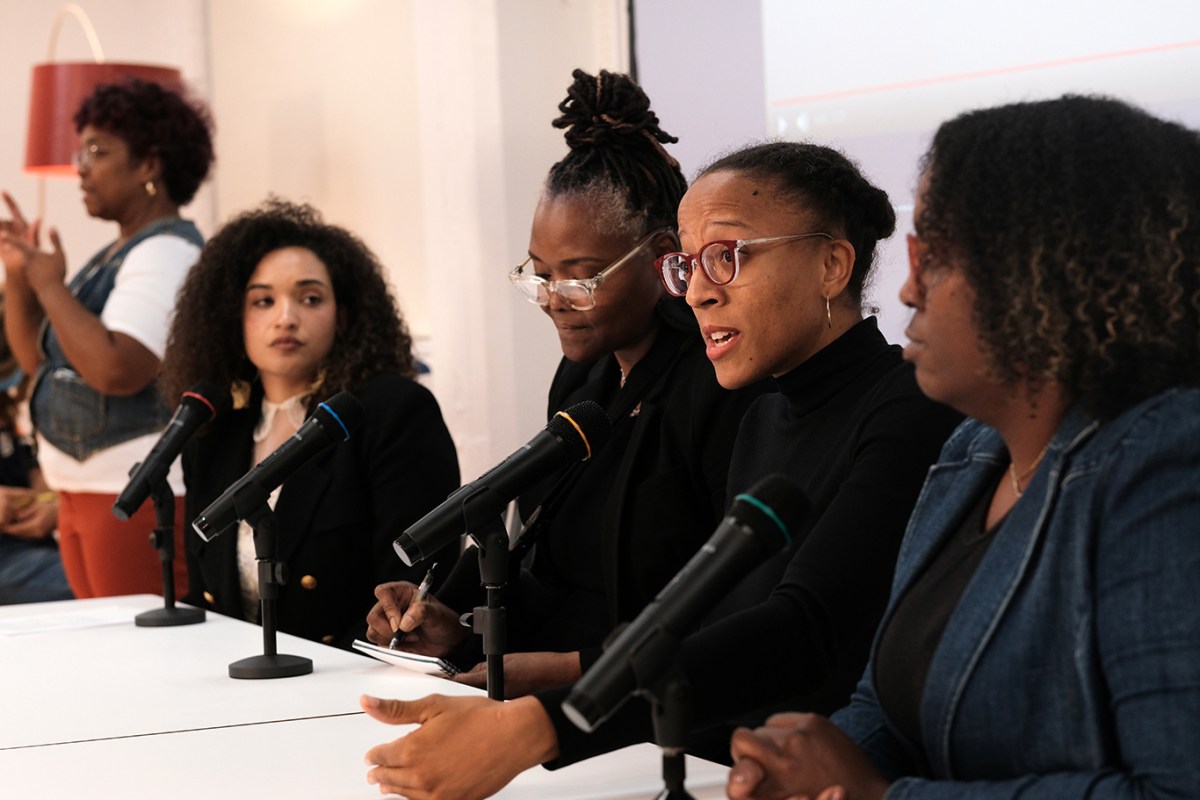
831, 188
1076, 222
617, 159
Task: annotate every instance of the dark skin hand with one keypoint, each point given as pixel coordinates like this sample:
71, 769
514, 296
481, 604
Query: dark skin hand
466, 748
800, 756
526, 673
431, 627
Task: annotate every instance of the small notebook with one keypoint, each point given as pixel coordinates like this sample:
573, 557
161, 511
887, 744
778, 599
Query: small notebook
418, 663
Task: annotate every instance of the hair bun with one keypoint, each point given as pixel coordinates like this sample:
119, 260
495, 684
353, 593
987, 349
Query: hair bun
605, 110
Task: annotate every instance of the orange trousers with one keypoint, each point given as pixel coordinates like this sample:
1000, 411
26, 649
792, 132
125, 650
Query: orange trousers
104, 556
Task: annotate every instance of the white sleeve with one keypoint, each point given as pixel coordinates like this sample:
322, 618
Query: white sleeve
143, 297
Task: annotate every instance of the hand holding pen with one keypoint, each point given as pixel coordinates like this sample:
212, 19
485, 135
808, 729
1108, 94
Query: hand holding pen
422, 593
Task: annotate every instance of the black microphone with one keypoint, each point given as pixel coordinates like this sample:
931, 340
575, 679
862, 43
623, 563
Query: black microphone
197, 406
758, 524
575, 434
332, 422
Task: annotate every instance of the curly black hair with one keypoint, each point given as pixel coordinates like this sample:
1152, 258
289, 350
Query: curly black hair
617, 156
205, 342
830, 187
155, 121
1076, 222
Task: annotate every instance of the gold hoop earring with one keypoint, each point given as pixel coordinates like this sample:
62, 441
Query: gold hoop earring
828, 314
151, 189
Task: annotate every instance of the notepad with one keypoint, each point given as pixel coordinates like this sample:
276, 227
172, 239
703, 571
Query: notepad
418, 663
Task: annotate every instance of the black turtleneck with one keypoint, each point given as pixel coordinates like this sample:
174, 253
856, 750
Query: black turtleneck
852, 429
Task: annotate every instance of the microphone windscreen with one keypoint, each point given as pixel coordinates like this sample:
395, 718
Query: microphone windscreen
768, 503
583, 428
344, 412
218, 402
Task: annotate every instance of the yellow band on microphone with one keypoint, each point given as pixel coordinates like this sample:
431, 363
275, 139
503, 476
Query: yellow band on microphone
578, 430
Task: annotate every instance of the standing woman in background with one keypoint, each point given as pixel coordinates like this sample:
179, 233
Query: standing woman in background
95, 344
613, 530
288, 311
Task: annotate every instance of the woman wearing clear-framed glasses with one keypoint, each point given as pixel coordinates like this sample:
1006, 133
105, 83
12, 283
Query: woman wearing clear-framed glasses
612, 531
94, 344
776, 243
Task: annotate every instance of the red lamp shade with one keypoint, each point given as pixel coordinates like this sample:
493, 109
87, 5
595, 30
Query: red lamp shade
58, 90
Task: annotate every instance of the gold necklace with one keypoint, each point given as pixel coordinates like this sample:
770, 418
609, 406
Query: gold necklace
1016, 479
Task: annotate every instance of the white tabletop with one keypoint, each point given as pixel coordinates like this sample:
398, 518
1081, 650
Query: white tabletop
117, 711
122, 680
320, 759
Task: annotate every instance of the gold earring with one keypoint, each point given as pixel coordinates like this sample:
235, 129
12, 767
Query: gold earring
239, 392
828, 313
151, 189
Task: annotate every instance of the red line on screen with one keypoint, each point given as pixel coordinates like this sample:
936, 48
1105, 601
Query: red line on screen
983, 73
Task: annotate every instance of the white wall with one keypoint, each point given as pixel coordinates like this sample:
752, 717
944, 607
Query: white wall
490, 84
422, 126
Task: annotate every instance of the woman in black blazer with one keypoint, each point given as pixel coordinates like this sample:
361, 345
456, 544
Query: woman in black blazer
609, 532
288, 311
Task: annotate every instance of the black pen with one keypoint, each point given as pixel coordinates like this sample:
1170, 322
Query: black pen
422, 593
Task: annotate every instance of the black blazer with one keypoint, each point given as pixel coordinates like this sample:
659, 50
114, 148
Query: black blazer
649, 500
336, 516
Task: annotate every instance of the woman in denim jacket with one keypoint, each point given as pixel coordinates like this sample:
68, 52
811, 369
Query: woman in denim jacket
1043, 635
93, 344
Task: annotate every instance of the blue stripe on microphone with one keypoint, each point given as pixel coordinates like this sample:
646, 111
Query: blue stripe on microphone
346, 430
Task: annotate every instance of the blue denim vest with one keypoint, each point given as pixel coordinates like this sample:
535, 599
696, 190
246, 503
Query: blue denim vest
73, 416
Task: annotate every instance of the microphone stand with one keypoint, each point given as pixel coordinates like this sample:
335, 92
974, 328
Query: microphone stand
163, 539
659, 679
491, 620
670, 702
251, 505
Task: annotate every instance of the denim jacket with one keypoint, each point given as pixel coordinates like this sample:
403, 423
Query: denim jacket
73, 416
1071, 666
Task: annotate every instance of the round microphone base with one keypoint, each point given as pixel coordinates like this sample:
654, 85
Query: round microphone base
674, 794
277, 666
167, 617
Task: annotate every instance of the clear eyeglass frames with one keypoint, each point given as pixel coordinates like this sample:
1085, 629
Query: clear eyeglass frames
579, 294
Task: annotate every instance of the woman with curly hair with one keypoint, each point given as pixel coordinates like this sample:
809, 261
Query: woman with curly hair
607, 210
1042, 639
287, 311
94, 344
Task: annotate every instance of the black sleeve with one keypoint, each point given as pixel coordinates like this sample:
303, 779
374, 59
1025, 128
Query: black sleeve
830, 597
411, 465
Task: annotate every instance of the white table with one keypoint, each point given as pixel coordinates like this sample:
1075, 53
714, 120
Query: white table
125, 712
122, 680
320, 759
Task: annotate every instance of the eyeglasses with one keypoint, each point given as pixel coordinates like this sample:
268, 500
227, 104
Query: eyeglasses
926, 266
721, 261
579, 294
86, 156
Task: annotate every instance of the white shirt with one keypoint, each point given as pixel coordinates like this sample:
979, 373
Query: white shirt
140, 306
279, 421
